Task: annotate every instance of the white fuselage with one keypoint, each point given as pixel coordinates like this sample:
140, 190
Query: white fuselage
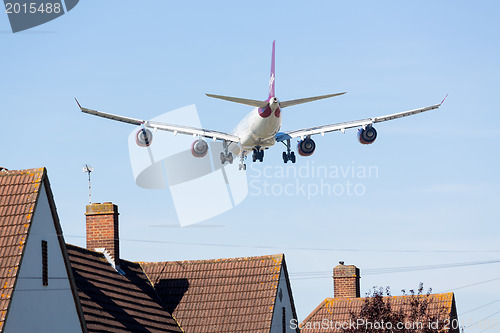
258, 129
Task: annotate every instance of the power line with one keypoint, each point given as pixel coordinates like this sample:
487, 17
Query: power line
482, 320
488, 328
403, 269
270, 247
44, 289
479, 307
471, 285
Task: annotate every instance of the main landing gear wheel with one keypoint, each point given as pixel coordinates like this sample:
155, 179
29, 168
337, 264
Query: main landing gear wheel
226, 155
257, 155
242, 165
288, 155
226, 158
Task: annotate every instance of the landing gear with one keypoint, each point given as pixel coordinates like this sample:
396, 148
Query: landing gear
226, 158
226, 155
242, 165
258, 155
288, 155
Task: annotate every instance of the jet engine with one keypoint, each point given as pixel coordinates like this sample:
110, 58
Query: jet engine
199, 148
144, 137
306, 147
367, 135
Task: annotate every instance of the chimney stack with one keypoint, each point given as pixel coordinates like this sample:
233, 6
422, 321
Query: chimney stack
346, 281
102, 230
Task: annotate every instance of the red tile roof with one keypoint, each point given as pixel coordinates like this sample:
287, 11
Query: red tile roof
117, 303
224, 295
338, 310
18, 197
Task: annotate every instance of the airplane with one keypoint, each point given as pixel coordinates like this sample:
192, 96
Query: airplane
259, 130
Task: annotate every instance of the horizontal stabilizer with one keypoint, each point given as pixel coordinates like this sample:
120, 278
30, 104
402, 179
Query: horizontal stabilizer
251, 102
307, 100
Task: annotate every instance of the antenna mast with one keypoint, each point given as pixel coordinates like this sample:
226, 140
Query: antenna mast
88, 169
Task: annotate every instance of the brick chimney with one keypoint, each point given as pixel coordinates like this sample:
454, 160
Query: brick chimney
346, 281
102, 230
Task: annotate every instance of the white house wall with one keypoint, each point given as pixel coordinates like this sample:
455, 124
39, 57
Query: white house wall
34, 307
282, 301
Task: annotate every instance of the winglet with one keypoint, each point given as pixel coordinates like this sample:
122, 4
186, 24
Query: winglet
78, 104
443, 99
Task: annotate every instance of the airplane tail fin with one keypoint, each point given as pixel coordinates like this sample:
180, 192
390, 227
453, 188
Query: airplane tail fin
252, 102
272, 76
263, 104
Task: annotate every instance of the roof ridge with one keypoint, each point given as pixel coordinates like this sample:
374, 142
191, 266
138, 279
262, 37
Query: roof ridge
332, 299
278, 256
6, 172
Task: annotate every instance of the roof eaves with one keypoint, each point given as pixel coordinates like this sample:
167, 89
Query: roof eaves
289, 286
277, 285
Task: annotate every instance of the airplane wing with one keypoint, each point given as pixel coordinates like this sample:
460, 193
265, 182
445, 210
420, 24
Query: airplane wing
215, 135
350, 124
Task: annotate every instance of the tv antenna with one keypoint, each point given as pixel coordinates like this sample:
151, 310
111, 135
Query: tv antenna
88, 169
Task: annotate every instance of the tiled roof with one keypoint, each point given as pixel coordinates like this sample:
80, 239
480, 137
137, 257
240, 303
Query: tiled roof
117, 303
224, 295
18, 197
338, 310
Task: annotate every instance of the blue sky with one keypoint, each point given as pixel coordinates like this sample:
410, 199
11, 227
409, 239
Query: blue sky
436, 185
